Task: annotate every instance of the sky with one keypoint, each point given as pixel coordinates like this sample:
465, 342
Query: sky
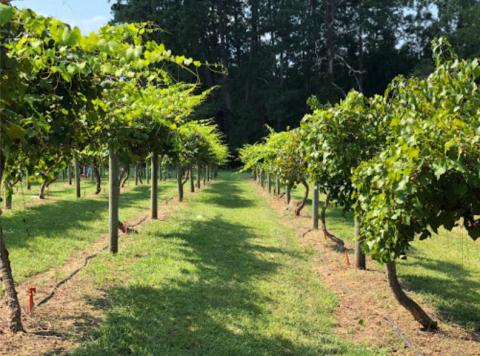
89, 15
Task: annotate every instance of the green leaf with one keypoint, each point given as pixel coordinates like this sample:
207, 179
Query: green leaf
6, 13
71, 37
14, 132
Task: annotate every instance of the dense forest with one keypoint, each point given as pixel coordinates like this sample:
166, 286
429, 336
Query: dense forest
280, 53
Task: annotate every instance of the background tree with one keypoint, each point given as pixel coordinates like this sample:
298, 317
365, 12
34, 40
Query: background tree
279, 53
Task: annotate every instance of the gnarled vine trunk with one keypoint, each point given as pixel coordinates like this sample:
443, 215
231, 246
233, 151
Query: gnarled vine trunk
138, 173
69, 172
327, 234
11, 297
304, 201
289, 193
192, 180
125, 175
98, 178
13, 306
199, 171
43, 188
77, 177
8, 197
315, 204
417, 312
360, 259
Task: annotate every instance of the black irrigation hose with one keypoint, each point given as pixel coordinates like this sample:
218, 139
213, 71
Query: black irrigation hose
398, 331
71, 275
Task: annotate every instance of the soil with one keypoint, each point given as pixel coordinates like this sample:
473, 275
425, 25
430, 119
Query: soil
367, 312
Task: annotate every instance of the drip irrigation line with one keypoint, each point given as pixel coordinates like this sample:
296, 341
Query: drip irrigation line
86, 260
69, 277
398, 331
400, 334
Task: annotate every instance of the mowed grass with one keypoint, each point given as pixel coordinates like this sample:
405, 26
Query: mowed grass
443, 270
221, 277
45, 234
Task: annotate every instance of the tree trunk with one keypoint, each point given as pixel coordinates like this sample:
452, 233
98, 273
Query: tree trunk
180, 183
154, 191
261, 179
8, 197
27, 176
125, 175
14, 317
289, 193
205, 175
136, 175
304, 201
360, 260
192, 180
199, 171
98, 178
330, 9
277, 185
269, 179
43, 187
77, 177
315, 203
327, 234
113, 199
69, 174
417, 312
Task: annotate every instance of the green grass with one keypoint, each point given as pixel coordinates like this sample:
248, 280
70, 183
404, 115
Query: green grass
221, 277
46, 234
443, 270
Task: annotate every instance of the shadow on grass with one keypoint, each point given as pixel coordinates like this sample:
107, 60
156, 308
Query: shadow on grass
456, 296
226, 193
53, 219
215, 310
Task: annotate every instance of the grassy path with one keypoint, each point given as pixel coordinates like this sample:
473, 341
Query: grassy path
221, 277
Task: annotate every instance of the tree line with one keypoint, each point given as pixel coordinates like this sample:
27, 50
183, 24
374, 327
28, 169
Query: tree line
279, 53
406, 162
108, 99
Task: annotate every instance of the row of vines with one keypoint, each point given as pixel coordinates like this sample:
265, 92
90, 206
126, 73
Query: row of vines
107, 100
407, 163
